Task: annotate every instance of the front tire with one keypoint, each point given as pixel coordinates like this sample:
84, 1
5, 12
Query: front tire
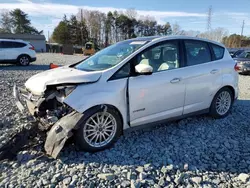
23, 60
99, 131
222, 103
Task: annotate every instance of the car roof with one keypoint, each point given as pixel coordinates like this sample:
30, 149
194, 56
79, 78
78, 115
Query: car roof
13, 40
154, 38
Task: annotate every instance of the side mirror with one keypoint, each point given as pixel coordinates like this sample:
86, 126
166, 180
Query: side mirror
143, 69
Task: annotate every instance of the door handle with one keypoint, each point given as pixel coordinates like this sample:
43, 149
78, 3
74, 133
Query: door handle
214, 71
175, 80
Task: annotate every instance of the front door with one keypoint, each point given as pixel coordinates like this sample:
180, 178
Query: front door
160, 95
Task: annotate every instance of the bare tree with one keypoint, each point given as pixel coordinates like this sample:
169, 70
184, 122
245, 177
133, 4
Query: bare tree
131, 13
176, 29
216, 34
191, 33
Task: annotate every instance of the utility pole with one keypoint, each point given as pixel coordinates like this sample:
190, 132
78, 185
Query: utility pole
242, 28
48, 38
81, 27
209, 18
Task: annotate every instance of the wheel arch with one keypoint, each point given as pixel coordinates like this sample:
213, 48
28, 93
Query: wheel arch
23, 55
231, 88
102, 106
226, 86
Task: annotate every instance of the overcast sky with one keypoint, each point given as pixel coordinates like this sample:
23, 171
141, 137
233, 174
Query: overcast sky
189, 14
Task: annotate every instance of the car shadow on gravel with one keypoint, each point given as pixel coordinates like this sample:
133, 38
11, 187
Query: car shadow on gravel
202, 143
31, 67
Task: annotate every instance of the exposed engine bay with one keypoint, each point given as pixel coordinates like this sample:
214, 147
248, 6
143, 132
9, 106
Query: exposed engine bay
50, 107
51, 113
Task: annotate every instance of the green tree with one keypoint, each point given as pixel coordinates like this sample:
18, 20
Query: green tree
167, 30
74, 30
108, 28
83, 31
61, 33
21, 23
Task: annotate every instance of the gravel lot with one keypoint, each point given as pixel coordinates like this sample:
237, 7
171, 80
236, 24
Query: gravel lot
194, 152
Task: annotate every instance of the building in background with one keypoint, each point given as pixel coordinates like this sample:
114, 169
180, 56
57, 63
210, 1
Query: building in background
38, 41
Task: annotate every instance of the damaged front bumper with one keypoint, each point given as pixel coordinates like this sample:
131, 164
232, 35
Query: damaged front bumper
59, 131
16, 93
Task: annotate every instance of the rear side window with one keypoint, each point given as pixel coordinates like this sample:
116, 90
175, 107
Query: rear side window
18, 44
197, 52
218, 51
9, 44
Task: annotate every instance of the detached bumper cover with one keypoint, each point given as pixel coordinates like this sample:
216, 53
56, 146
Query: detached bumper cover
60, 132
16, 93
17, 99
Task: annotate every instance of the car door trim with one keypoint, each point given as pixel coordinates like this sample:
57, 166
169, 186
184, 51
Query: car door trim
164, 121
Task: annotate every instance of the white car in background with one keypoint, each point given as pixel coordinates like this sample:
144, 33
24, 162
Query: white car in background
16, 51
132, 83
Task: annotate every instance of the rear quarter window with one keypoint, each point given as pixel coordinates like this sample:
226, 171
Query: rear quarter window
218, 51
18, 44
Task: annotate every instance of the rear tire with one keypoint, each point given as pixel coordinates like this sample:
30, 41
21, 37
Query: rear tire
107, 130
222, 103
23, 60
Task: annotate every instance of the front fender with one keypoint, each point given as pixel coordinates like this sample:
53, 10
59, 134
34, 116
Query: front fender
111, 93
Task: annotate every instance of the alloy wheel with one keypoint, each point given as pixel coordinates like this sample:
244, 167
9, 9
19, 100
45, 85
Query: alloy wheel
24, 60
100, 129
223, 103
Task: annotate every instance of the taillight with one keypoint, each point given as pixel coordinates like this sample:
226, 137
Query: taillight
32, 47
236, 67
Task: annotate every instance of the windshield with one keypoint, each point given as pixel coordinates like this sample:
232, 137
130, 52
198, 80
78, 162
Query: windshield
110, 56
245, 55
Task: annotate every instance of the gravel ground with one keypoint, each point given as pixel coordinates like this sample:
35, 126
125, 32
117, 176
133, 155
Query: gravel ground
194, 152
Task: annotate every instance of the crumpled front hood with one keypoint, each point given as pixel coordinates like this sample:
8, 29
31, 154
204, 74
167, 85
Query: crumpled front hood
37, 83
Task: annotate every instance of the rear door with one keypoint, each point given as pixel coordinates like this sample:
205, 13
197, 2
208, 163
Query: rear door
13, 49
202, 76
2, 53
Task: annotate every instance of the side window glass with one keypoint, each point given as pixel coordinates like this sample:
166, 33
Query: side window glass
18, 44
162, 57
218, 51
6, 44
124, 72
248, 55
197, 52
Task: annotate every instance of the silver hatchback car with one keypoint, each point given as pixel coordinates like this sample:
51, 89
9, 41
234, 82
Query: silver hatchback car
135, 82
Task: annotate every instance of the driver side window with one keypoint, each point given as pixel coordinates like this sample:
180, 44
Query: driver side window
164, 56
